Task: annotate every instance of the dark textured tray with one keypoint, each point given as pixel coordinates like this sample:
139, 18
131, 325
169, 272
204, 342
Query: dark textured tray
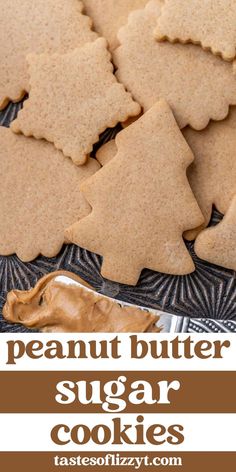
209, 293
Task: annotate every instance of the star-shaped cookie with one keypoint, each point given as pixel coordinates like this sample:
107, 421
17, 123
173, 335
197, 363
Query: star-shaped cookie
73, 98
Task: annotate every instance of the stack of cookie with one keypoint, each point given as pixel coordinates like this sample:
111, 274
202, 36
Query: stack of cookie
49, 50
175, 158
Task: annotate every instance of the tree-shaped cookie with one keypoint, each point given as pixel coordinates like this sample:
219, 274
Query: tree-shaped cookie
212, 175
218, 244
141, 202
109, 15
197, 85
73, 98
211, 23
39, 196
36, 27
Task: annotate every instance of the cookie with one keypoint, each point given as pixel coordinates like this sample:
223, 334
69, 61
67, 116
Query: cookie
39, 196
212, 175
141, 202
209, 23
106, 152
85, 99
109, 15
197, 85
217, 244
46, 26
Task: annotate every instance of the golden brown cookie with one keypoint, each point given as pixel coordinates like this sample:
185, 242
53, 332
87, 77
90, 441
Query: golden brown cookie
36, 27
212, 175
39, 196
197, 85
84, 100
141, 202
109, 15
209, 23
218, 244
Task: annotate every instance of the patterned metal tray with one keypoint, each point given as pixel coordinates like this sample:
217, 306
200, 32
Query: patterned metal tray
206, 298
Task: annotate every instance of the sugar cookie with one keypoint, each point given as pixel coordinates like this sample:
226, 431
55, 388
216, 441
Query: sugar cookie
39, 196
209, 23
36, 27
85, 100
109, 15
217, 244
141, 202
212, 175
197, 85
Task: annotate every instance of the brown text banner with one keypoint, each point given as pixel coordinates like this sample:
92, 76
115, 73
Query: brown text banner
199, 392
99, 461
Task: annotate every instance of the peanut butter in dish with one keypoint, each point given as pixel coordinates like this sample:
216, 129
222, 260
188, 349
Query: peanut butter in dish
56, 307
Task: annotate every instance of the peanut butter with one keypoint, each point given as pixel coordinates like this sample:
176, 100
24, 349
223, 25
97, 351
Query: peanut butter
56, 307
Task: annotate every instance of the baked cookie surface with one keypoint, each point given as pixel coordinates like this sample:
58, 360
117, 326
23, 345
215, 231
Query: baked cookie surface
36, 27
134, 223
212, 175
39, 196
217, 245
197, 85
210, 23
84, 100
109, 15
